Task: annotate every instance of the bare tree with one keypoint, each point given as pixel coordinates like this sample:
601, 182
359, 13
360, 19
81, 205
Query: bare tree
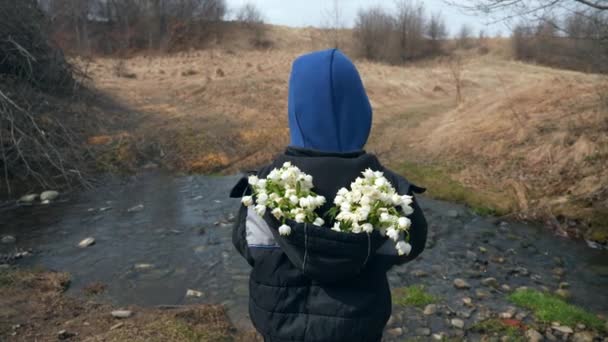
251, 16
334, 23
464, 36
410, 23
373, 29
455, 65
436, 32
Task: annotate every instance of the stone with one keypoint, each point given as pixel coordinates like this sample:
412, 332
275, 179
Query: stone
395, 332
481, 294
522, 271
64, 335
194, 293
136, 208
86, 242
453, 213
438, 337
563, 329
483, 249
457, 323
419, 274
563, 293
467, 301
122, 313
423, 332
143, 266
582, 336
8, 239
430, 309
509, 313
28, 198
533, 336
491, 282
471, 255
559, 271
461, 284
505, 287
581, 326
117, 326
49, 195
520, 316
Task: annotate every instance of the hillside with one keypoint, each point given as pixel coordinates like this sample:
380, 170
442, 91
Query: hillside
526, 139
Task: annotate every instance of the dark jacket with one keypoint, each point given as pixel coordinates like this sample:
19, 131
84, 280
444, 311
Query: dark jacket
317, 284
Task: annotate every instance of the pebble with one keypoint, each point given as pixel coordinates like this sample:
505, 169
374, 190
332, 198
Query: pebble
419, 274
86, 242
505, 288
461, 284
122, 313
430, 309
7, 239
136, 208
453, 213
423, 332
457, 323
509, 313
563, 293
28, 198
521, 271
194, 293
483, 249
117, 326
143, 266
64, 335
49, 195
559, 271
563, 329
533, 336
439, 337
395, 332
583, 336
481, 294
467, 301
492, 282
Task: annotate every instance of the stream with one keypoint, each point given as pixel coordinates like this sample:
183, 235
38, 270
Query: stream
157, 236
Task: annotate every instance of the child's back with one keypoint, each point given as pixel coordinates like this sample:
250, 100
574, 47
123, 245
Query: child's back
317, 284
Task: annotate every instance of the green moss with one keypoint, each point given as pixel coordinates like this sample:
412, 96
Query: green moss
548, 308
6, 279
498, 327
414, 295
442, 186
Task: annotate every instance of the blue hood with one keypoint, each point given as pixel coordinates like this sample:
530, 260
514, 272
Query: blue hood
328, 107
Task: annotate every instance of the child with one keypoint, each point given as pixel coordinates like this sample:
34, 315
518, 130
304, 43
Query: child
317, 284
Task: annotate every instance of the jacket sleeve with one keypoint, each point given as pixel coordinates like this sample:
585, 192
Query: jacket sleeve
239, 231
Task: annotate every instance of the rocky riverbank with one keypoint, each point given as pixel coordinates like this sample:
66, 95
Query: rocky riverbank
162, 241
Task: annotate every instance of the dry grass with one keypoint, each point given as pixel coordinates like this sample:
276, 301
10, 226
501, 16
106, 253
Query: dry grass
34, 308
529, 136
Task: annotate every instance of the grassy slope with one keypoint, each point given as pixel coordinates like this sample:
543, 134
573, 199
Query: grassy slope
526, 139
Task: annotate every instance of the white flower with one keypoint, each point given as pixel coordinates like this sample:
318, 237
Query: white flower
277, 212
379, 182
404, 223
300, 218
262, 198
339, 200
403, 248
342, 192
356, 228
336, 227
319, 222
407, 210
367, 227
253, 180
319, 201
247, 201
368, 173
287, 165
293, 199
392, 233
260, 209
304, 202
284, 230
406, 200
385, 217
262, 184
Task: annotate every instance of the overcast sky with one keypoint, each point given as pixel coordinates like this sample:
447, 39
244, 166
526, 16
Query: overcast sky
314, 13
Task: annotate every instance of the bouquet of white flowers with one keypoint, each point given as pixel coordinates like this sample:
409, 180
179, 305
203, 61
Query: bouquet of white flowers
372, 204
287, 192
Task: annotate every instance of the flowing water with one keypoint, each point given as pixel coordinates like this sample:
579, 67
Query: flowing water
158, 236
